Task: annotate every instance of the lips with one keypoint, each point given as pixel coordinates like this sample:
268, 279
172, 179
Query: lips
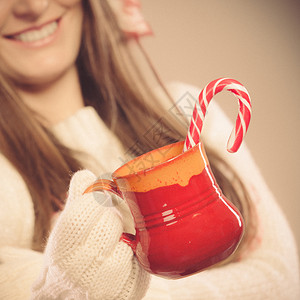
35, 34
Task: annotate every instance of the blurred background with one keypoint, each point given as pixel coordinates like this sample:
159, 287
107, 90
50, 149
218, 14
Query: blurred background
256, 42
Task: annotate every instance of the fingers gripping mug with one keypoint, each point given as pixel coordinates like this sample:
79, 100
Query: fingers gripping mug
184, 224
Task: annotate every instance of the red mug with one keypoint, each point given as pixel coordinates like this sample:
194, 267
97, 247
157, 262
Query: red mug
184, 224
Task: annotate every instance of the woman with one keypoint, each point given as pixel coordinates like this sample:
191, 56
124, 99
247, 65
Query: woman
72, 97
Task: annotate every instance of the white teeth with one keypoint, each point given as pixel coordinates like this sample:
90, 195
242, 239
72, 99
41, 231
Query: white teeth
35, 35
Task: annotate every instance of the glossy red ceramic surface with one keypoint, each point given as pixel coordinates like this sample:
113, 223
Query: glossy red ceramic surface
184, 224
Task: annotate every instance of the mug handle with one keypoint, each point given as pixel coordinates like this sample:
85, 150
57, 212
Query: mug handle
110, 186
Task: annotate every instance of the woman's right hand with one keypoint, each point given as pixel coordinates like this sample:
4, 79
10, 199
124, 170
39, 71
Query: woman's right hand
84, 257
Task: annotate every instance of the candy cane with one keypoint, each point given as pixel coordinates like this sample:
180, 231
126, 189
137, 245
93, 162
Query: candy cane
206, 95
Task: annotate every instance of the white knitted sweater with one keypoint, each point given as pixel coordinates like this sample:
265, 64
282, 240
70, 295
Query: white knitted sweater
268, 271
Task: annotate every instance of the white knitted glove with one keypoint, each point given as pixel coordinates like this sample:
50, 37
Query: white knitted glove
84, 258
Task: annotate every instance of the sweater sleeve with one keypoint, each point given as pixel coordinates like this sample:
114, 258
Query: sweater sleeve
19, 266
269, 269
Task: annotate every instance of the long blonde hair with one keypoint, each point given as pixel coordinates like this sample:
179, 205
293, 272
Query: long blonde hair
112, 83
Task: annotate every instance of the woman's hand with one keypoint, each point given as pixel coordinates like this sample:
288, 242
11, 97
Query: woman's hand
84, 257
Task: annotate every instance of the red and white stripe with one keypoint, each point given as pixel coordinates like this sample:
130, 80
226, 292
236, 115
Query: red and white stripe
206, 95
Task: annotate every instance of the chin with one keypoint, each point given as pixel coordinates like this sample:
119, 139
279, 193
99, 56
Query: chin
43, 75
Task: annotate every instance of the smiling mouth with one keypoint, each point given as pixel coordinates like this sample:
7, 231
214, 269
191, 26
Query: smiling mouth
36, 34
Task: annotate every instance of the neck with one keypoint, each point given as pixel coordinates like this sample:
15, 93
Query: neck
56, 101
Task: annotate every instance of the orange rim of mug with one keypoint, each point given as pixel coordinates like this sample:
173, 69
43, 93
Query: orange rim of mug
161, 167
